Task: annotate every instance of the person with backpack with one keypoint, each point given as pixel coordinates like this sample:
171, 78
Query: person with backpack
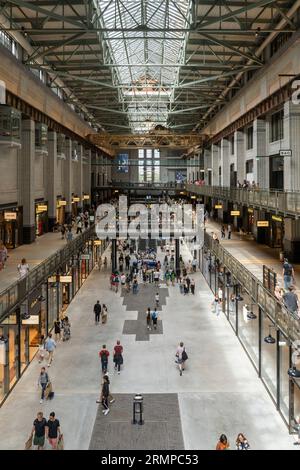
105, 395
53, 431
118, 356
154, 318
288, 274
181, 357
43, 382
50, 346
97, 311
104, 354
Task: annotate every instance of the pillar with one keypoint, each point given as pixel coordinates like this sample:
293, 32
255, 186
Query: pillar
114, 255
215, 164
52, 177
177, 254
225, 164
27, 179
207, 164
239, 150
67, 182
292, 139
291, 241
79, 183
261, 160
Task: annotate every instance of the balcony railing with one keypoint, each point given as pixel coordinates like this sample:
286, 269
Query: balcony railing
285, 202
14, 294
288, 323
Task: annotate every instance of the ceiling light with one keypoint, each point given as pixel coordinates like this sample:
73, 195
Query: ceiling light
269, 339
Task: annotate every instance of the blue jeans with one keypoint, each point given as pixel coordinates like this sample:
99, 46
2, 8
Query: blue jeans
43, 391
287, 281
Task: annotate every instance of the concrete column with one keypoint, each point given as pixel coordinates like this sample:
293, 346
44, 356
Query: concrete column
225, 164
177, 255
87, 172
52, 177
239, 150
80, 177
291, 241
67, 181
114, 255
261, 160
292, 138
207, 163
215, 164
27, 179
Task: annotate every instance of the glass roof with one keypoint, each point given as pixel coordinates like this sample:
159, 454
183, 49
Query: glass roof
146, 87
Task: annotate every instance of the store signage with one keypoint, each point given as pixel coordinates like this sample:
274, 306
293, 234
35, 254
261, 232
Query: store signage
97, 242
86, 196
262, 223
52, 279
276, 218
10, 215
285, 153
61, 202
250, 210
218, 206
85, 256
235, 213
42, 208
76, 199
92, 218
67, 279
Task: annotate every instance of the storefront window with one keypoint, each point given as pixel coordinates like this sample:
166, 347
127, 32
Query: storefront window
11, 356
296, 412
52, 302
41, 219
268, 351
248, 327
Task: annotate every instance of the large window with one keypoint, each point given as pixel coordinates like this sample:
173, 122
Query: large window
277, 126
149, 166
250, 138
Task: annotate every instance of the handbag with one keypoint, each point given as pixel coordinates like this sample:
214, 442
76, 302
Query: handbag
60, 444
184, 355
28, 443
48, 390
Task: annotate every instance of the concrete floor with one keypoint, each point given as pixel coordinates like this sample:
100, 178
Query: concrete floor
218, 393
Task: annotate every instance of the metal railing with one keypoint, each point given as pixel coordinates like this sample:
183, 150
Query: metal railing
144, 185
285, 202
14, 294
288, 323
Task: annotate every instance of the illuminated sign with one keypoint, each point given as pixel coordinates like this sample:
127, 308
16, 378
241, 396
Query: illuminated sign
86, 196
42, 208
61, 202
76, 199
250, 210
85, 256
52, 279
97, 242
218, 206
10, 215
235, 213
262, 223
67, 279
276, 218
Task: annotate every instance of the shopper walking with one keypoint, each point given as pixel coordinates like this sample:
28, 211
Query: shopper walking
66, 329
291, 301
53, 431
192, 285
3, 255
157, 299
223, 443
288, 274
194, 264
148, 318
229, 229
23, 268
39, 431
104, 354
69, 235
79, 227
43, 382
105, 395
181, 357
63, 231
50, 346
57, 329
97, 311
223, 231
154, 317
241, 442
118, 356
104, 314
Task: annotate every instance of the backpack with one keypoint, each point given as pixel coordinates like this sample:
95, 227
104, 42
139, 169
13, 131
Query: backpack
154, 315
184, 355
287, 269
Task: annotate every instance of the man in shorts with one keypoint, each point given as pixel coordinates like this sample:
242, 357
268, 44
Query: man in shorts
53, 430
39, 431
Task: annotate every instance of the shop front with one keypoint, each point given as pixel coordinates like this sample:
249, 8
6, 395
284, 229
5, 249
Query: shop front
11, 226
41, 218
60, 211
276, 231
75, 205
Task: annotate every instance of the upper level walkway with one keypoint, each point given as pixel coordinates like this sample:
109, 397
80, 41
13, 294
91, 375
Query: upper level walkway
280, 202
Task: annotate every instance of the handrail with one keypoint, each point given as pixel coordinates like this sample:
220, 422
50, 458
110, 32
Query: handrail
14, 294
286, 202
288, 323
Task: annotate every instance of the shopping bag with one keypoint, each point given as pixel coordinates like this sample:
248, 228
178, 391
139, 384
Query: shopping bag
28, 443
48, 390
60, 444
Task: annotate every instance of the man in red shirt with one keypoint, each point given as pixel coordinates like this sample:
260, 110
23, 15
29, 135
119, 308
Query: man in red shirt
118, 358
103, 354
